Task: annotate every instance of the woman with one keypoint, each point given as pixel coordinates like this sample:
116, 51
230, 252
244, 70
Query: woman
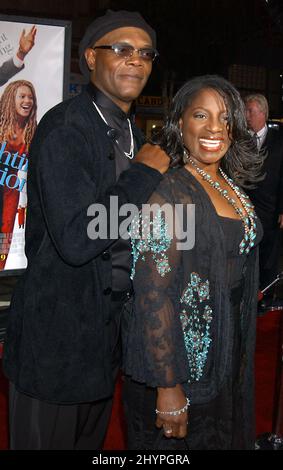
191, 336
18, 108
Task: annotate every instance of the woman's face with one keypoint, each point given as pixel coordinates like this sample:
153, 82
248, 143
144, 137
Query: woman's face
24, 101
204, 127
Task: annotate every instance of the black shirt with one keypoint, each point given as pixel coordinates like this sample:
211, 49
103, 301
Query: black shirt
118, 121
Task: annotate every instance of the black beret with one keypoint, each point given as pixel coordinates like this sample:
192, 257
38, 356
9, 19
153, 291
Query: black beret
106, 23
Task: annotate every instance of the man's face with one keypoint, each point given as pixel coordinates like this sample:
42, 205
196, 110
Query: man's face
121, 79
255, 116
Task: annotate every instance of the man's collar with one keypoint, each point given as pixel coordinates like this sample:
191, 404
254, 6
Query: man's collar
261, 133
104, 102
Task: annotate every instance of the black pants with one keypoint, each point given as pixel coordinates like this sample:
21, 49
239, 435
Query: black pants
38, 425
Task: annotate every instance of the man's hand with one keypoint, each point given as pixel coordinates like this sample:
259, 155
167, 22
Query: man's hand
153, 156
26, 42
280, 220
172, 399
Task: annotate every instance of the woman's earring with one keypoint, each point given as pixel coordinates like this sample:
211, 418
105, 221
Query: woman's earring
185, 152
185, 155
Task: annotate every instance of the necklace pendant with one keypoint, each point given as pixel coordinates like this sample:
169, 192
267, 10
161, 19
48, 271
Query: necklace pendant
129, 155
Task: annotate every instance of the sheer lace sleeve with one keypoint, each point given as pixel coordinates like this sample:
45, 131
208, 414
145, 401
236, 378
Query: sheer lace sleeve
155, 351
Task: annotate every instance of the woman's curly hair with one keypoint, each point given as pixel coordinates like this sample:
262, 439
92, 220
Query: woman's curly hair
8, 113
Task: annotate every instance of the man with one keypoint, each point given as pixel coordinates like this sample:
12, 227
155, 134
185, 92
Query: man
62, 350
268, 196
15, 64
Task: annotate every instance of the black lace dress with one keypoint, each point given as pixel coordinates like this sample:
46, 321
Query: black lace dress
219, 424
193, 323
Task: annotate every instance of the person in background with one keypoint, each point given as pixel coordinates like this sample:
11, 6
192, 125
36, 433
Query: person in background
18, 108
15, 64
189, 342
62, 349
268, 194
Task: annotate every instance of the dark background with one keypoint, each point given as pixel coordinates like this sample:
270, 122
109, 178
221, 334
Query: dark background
194, 37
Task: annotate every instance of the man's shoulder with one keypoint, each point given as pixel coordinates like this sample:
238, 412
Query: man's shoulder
273, 142
69, 109
76, 112
275, 134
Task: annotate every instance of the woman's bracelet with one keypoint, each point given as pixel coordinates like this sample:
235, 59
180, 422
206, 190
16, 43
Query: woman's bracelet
176, 412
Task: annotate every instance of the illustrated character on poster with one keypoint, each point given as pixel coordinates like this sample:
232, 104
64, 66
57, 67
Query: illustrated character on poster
18, 108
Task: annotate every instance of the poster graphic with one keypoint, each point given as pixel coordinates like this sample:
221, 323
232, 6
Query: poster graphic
34, 73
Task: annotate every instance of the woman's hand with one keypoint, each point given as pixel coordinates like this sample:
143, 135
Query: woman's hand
172, 399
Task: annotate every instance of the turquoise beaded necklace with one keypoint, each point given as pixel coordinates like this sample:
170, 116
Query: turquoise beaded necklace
248, 219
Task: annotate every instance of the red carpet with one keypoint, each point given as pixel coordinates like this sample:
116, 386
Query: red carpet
115, 438
266, 362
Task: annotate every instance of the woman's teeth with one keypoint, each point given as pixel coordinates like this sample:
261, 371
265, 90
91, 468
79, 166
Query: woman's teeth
210, 143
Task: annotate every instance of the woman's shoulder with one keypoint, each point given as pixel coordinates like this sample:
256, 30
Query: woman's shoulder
179, 175
177, 183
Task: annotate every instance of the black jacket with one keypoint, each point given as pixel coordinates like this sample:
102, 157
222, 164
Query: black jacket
56, 346
7, 70
268, 196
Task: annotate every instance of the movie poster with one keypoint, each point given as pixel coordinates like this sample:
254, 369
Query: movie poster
34, 74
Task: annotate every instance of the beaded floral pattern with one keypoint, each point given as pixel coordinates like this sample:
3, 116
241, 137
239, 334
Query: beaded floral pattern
196, 318
157, 245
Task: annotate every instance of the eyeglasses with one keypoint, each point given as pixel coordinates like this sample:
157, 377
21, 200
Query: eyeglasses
126, 50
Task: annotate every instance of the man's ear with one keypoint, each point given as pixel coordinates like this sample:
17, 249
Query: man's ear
90, 58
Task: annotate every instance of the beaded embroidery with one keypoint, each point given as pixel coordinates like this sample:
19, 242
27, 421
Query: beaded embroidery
195, 320
157, 245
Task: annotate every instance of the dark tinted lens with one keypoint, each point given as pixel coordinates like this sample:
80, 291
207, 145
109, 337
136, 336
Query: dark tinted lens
147, 53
